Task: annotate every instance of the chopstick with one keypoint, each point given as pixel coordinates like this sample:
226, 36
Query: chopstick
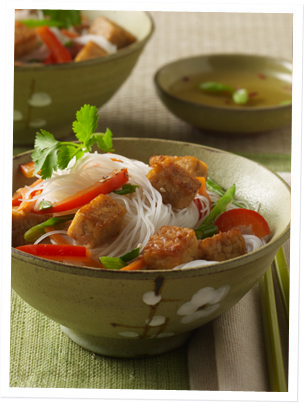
282, 273
277, 378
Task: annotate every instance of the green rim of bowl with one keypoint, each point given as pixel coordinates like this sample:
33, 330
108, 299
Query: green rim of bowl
208, 269
236, 109
134, 47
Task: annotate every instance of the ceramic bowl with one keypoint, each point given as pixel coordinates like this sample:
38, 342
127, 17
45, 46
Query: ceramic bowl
136, 314
64, 88
226, 119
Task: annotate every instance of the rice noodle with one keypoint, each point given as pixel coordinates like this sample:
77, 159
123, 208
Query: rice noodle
146, 212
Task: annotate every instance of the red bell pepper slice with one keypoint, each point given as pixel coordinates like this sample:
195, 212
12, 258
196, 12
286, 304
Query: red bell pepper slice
57, 49
51, 250
243, 217
112, 182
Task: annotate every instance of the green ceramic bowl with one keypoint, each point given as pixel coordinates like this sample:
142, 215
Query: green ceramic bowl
226, 119
135, 314
64, 88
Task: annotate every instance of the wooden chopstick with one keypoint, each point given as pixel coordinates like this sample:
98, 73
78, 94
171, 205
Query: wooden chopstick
282, 273
277, 377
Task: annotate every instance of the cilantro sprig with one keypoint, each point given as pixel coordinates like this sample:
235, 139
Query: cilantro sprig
50, 154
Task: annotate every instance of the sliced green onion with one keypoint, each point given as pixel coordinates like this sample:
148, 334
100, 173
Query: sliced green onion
130, 255
113, 263
276, 372
30, 23
240, 96
206, 231
35, 232
216, 188
126, 189
44, 204
212, 86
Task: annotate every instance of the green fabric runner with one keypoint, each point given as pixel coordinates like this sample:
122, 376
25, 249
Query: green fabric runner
42, 356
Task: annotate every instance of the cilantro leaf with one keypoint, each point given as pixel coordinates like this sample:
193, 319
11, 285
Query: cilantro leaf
104, 141
50, 154
66, 17
66, 154
45, 153
86, 123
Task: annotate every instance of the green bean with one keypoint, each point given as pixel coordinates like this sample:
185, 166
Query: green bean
35, 232
218, 209
205, 231
216, 188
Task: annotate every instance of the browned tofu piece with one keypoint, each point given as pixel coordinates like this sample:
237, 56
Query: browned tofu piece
25, 39
169, 247
112, 32
175, 184
223, 246
90, 51
192, 165
98, 222
22, 222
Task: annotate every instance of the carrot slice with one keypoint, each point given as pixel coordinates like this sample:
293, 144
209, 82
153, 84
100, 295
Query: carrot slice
27, 169
56, 237
27, 206
138, 264
112, 182
203, 190
19, 194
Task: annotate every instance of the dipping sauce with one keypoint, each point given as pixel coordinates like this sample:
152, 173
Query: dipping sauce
263, 90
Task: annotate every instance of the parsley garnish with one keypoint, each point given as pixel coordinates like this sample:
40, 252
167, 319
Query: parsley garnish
50, 154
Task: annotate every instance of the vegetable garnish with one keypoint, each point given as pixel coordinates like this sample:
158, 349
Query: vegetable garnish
111, 182
57, 49
126, 189
117, 263
239, 95
35, 232
27, 169
218, 209
57, 18
62, 253
243, 217
55, 250
216, 188
50, 154
20, 193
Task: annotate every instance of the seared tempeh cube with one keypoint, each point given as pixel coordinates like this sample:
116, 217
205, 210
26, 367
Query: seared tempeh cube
112, 32
192, 165
98, 222
223, 246
25, 39
22, 222
90, 51
169, 247
175, 184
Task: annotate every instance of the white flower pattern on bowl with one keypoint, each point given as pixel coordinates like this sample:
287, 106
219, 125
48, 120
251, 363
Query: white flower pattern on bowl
203, 303
40, 99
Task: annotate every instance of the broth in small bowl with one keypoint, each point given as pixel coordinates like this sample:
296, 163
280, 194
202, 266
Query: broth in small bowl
232, 94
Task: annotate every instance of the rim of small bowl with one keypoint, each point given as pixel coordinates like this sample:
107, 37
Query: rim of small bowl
133, 47
236, 109
150, 274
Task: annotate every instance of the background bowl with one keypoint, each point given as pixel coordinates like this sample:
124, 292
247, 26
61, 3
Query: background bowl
66, 87
227, 120
132, 314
